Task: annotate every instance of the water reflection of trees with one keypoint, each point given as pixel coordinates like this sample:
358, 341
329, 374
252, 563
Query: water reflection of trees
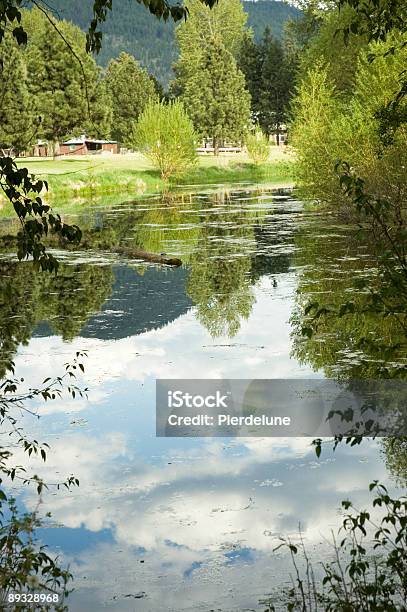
214, 234
395, 455
218, 236
220, 283
66, 301
359, 344
157, 225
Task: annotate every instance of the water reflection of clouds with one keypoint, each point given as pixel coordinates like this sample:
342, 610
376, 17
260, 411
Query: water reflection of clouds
200, 513
190, 509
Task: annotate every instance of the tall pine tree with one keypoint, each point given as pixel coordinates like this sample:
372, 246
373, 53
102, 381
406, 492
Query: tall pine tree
64, 81
130, 88
277, 80
216, 98
16, 126
269, 73
208, 80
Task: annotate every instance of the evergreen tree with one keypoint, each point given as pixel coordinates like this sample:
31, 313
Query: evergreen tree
63, 79
250, 62
216, 98
269, 72
15, 109
100, 122
131, 88
208, 80
277, 82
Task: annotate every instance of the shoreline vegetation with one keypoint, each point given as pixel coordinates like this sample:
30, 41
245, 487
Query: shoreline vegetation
85, 176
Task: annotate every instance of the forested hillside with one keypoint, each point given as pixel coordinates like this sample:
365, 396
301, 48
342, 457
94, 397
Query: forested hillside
131, 28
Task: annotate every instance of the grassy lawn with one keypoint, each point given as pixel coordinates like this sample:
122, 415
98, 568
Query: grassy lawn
133, 173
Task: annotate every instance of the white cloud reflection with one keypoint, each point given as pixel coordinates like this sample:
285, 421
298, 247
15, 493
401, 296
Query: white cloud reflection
203, 515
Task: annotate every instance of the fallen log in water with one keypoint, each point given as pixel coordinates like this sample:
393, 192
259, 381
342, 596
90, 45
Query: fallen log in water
144, 255
10, 241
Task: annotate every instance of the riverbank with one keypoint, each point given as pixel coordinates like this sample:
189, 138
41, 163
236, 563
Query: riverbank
89, 176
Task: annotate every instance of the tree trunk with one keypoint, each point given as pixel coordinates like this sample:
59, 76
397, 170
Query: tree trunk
215, 146
55, 149
145, 256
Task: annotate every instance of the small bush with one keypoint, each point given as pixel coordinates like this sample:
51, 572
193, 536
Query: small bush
165, 134
258, 147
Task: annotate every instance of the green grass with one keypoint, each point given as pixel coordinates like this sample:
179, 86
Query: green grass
90, 176
275, 172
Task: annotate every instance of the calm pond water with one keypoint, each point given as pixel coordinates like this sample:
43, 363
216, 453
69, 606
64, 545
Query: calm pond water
185, 524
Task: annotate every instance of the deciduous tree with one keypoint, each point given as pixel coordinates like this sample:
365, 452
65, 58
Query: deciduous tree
165, 134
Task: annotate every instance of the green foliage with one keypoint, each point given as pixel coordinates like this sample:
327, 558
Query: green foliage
395, 456
300, 31
219, 283
375, 18
224, 23
215, 96
269, 73
355, 131
313, 134
131, 89
98, 121
328, 127
165, 134
258, 147
63, 79
208, 81
26, 567
36, 218
16, 125
328, 48
66, 300
369, 568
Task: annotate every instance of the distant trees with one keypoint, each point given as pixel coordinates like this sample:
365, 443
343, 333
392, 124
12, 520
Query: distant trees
269, 72
208, 80
61, 92
53, 89
130, 88
165, 134
58, 91
131, 28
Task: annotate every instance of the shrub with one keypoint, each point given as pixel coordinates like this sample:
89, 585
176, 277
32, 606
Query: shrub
258, 147
165, 134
